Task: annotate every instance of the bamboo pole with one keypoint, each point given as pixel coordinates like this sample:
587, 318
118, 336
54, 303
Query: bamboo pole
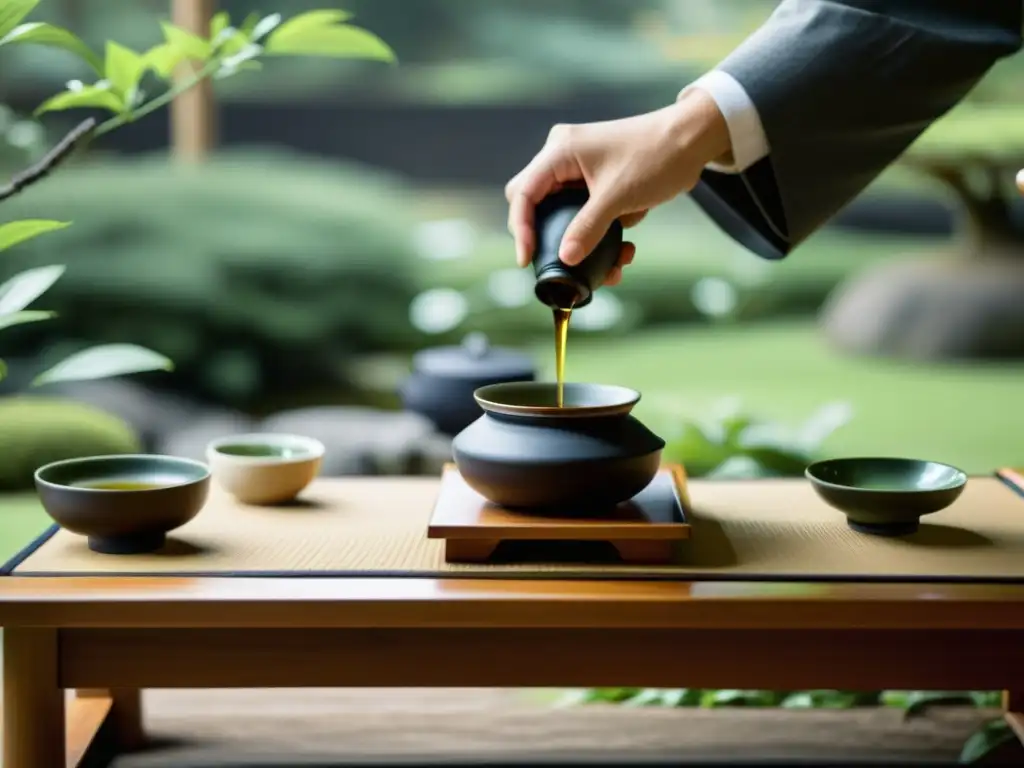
194, 113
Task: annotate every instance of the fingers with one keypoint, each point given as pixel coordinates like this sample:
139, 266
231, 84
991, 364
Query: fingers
586, 230
632, 219
626, 256
529, 187
1020, 180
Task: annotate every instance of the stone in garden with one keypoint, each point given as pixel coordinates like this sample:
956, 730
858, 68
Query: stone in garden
364, 441
931, 309
152, 414
190, 438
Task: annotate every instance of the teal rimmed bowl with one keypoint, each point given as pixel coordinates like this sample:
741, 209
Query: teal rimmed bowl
123, 504
886, 496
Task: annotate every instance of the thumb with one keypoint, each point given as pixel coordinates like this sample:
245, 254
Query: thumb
585, 231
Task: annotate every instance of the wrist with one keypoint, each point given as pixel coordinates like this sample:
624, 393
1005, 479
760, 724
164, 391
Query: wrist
700, 128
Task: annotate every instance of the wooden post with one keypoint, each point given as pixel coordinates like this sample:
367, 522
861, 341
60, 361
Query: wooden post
33, 704
193, 114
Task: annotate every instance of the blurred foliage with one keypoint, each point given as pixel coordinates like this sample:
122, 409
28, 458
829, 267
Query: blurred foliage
474, 48
737, 444
975, 132
986, 740
38, 430
687, 271
22, 141
257, 272
912, 703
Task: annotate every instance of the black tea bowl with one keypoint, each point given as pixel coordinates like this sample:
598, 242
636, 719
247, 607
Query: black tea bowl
123, 504
527, 452
886, 496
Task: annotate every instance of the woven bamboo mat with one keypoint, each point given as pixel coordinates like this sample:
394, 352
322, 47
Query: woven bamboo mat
746, 530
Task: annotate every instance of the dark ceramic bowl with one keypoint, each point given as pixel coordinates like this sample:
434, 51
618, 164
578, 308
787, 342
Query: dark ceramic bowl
886, 496
526, 452
123, 504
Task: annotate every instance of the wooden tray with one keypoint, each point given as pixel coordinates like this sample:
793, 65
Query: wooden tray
645, 529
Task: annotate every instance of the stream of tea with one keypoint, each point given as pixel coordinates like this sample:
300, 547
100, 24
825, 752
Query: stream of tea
562, 317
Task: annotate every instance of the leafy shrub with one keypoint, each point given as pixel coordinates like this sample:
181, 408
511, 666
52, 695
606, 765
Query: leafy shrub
256, 272
38, 430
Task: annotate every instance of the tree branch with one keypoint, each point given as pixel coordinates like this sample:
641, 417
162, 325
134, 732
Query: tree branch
77, 137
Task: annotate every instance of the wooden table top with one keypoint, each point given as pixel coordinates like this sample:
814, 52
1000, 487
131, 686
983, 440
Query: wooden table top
444, 603
305, 602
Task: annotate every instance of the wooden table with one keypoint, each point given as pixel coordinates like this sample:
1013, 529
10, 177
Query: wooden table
108, 638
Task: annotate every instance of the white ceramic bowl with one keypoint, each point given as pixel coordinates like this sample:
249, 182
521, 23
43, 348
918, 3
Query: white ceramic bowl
264, 467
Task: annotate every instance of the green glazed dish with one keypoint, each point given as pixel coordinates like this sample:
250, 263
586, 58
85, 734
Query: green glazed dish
123, 504
886, 496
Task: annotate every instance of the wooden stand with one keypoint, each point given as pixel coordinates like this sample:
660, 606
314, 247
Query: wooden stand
644, 530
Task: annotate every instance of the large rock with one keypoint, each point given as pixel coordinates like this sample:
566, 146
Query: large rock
932, 309
359, 441
366, 441
190, 438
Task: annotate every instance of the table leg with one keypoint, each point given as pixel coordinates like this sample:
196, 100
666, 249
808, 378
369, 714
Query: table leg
125, 717
33, 711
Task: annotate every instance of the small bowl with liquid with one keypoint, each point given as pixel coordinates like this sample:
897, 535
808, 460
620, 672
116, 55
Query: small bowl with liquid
886, 496
123, 504
265, 468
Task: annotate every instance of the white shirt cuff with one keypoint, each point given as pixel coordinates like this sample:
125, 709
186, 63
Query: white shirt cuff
749, 143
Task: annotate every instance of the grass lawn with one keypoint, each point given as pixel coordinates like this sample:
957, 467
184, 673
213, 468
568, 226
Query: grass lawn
967, 415
21, 520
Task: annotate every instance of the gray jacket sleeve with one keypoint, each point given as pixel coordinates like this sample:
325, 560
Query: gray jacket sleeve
843, 87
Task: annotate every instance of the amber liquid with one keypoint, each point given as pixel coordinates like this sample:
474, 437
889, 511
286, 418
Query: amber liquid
562, 317
120, 485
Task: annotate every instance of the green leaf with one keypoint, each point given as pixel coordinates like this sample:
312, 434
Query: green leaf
103, 362
3, 370
40, 33
781, 462
220, 22
919, 701
86, 96
15, 232
304, 22
986, 739
224, 38
741, 698
987, 699
338, 41
123, 69
22, 318
250, 24
829, 699
695, 449
190, 44
682, 697
12, 12
163, 59
25, 287
264, 27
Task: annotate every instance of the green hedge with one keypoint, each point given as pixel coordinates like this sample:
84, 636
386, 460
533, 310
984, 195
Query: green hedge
37, 430
254, 271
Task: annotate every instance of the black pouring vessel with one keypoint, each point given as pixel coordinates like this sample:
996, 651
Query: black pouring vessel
558, 285
528, 453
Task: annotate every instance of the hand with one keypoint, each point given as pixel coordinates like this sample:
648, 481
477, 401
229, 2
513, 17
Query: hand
629, 166
1020, 181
